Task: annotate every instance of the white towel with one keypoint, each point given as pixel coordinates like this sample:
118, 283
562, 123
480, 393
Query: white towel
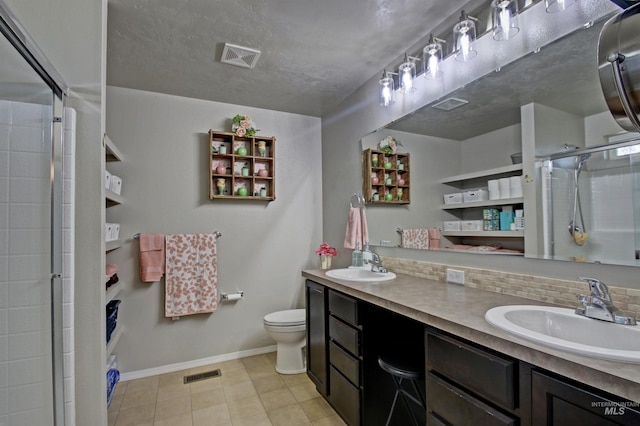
357, 231
191, 274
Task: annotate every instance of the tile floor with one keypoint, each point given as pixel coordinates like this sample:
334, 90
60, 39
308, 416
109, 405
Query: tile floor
249, 392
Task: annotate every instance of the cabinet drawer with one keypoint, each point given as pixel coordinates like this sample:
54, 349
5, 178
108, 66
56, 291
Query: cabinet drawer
344, 307
348, 365
344, 397
474, 368
345, 335
448, 404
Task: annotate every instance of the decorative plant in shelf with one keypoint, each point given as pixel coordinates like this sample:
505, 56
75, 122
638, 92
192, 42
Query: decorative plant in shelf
243, 126
389, 145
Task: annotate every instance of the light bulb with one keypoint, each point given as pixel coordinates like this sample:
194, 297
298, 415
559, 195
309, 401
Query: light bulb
386, 92
431, 58
433, 65
386, 95
407, 81
464, 34
553, 6
505, 19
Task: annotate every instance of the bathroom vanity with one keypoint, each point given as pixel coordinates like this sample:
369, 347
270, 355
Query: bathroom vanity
475, 373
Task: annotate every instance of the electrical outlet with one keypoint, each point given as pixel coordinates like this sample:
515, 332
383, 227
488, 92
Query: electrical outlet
455, 276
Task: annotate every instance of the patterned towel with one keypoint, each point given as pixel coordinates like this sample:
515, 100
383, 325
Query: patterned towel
415, 239
191, 274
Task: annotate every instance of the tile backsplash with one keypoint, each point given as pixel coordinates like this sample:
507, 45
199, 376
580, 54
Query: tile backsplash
550, 290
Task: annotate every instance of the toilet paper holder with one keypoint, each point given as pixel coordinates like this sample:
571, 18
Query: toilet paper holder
232, 296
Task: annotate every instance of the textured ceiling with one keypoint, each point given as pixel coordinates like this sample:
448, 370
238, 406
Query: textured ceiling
315, 53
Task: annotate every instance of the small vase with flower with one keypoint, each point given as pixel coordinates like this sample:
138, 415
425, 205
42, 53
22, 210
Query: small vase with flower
326, 252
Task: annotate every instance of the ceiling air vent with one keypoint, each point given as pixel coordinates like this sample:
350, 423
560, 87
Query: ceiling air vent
450, 103
240, 56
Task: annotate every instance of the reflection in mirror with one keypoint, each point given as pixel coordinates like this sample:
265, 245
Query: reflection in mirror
528, 109
589, 205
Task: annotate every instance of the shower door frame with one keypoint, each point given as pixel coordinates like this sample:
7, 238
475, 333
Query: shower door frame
13, 31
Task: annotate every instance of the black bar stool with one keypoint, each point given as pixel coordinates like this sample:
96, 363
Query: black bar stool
402, 370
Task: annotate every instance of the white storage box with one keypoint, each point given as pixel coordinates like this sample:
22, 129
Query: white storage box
451, 225
115, 232
108, 232
475, 195
107, 180
471, 225
453, 198
116, 184
111, 231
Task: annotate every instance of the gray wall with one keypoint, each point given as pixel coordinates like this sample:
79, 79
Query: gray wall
263, 247
71, 33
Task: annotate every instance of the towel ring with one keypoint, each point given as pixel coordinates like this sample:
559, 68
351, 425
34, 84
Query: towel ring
357, 200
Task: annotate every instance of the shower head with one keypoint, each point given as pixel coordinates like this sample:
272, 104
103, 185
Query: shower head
581, 160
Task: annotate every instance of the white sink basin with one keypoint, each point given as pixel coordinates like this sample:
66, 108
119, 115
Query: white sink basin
563, 329
360, 275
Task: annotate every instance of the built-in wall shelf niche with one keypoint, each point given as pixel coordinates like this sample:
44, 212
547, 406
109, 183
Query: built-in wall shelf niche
386, 178
242, 168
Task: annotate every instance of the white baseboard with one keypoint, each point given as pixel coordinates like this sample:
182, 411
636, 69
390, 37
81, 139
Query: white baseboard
132, 375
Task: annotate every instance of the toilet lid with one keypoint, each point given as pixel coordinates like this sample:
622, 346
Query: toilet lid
290, 317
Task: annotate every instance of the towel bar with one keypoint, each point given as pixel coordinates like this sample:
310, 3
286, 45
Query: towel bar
218, 235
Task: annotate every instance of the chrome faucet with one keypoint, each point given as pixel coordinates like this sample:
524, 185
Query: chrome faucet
598, 304
376, 263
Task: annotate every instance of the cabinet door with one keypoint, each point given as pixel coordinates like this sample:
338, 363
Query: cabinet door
448, 404
317, 350
556, 402
345, 398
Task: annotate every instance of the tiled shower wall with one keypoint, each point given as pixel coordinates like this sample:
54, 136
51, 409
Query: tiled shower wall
68, 241
24, 294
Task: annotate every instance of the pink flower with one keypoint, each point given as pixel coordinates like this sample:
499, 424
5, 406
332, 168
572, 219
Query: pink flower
326, 250
245, 123
241, 131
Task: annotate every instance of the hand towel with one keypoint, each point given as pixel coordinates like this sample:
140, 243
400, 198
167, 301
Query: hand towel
192, 274
434, 238
357, 231
152, 258
414, 239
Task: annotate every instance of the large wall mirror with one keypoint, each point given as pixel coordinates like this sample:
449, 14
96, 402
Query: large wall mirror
547, 103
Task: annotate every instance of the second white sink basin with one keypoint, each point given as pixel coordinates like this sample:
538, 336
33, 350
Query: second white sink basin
360, 275
563, 329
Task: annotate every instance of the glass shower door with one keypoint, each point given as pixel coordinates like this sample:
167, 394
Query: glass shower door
30, 241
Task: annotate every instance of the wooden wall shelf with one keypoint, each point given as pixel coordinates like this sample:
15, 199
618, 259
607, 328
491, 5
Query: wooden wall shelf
242, 168
393, 183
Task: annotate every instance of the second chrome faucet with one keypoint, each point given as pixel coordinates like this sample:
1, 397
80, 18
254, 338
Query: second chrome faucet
598, 304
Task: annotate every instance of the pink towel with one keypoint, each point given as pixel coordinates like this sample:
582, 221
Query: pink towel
357, 231
151, 257
434, 238
415, 239
192, 274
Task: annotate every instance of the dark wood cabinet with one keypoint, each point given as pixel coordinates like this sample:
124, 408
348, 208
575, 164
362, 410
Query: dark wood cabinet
468, 384
317, 336
345, 357
557, 401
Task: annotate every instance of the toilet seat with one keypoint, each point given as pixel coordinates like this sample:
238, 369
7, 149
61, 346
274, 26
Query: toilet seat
288, 318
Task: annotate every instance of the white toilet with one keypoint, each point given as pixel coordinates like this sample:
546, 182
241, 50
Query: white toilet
288, 329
